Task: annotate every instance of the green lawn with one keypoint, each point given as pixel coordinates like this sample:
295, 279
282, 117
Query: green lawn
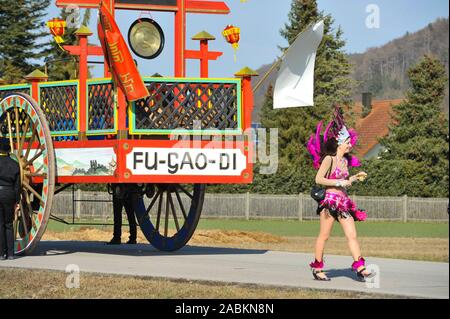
310, 228
60, 227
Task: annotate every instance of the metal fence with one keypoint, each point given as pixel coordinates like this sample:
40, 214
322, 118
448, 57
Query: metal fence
97, 205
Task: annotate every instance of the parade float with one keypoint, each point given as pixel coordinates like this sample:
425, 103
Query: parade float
171, 135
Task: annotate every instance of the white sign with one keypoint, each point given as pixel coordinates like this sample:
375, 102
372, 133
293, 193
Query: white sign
183, 161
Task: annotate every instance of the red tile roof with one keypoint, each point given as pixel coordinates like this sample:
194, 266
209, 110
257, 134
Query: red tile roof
373, 126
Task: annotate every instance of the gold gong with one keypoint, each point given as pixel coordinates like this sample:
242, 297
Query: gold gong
146, 38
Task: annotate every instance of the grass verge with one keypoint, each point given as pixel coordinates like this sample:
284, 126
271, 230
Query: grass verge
16, 283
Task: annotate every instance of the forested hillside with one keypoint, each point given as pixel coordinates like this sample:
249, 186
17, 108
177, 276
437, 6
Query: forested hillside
383, 70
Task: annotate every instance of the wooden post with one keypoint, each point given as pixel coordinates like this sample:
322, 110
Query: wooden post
247, 206
82, 35
204, 55
122, 109
405, 209
204, 71
246, 74
2, 82
247, 109
83, 50
34, 78
78, 204
180, 39
300, 207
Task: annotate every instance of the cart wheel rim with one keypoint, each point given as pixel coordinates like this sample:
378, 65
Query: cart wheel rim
170, 202
33, 149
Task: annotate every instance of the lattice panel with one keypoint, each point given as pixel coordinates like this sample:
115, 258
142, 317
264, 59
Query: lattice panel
3, 93
101, 107
4, 130
21, 113
173, 105
60, 105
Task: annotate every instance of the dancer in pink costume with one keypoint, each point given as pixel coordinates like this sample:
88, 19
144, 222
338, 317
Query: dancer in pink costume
331, 156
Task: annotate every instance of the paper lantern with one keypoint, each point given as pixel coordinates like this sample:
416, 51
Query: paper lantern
233, 35
57, 28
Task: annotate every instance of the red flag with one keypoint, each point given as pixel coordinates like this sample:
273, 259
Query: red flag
118, 57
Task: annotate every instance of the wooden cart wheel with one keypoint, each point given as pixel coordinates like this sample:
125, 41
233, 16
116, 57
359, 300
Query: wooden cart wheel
23, 123
170, 219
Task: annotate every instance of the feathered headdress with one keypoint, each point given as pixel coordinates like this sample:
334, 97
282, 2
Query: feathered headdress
335, 129
314, 145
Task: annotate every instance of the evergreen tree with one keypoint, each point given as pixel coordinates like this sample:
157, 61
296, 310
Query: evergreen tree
332, 84
21, 28
420, 131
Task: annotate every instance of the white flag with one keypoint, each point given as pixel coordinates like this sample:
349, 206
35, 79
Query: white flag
295, 82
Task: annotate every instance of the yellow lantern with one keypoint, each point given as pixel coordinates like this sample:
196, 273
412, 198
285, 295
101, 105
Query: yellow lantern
57, 28
233, 35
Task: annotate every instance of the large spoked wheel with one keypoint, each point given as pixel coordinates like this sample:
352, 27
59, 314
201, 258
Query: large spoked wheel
23, 123
171, 217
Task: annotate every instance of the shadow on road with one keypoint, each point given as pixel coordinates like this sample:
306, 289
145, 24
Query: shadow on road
336, 273
57, 248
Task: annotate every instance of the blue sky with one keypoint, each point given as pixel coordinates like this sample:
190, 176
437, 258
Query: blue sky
260, 22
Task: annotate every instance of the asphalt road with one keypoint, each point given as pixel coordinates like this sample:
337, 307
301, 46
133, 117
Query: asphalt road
269, 268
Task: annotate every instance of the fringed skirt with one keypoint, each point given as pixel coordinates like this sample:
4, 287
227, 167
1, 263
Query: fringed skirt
341, 206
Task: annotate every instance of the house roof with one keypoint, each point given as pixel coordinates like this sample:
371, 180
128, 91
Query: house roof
373, 126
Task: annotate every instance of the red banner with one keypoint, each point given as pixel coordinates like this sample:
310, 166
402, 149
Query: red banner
118, 57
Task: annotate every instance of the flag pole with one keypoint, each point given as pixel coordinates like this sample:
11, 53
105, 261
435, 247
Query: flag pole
277, 63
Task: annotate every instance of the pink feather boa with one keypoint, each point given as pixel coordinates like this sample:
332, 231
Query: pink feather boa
353, 136
361, 215
314, 144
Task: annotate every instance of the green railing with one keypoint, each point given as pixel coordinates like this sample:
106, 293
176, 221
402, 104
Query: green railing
101, 107
18, 88
189, 106
175, 106
4, 91
60, 102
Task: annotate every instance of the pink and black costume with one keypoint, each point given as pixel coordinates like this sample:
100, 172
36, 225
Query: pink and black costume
337, 203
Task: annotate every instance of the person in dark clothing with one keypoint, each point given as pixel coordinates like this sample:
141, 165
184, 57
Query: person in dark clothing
9, 199
124, 195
